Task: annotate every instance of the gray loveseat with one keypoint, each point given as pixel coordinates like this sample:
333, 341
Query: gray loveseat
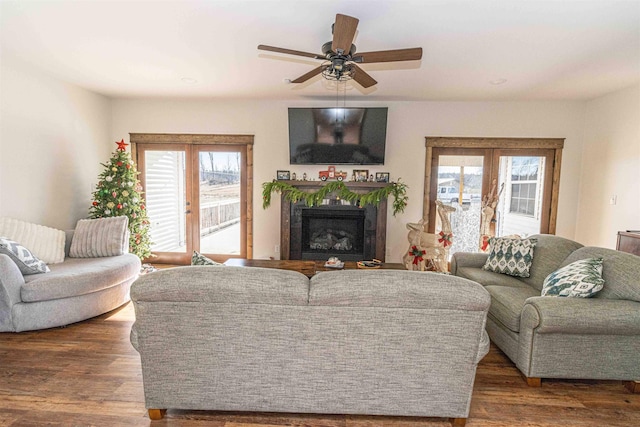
557, 337
344, 342
74, 290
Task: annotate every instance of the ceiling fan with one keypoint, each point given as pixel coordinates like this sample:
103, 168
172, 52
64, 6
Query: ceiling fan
340, 55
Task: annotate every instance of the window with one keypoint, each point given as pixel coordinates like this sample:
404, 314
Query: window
524, 185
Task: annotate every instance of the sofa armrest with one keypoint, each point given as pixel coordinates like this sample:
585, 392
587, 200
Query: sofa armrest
11, 281
467, 259
483, 347
549, 315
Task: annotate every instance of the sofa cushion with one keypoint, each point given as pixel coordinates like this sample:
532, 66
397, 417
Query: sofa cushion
46, 243
620, 271
488, 278
393, 288
507, 303
24, 259
548, 255
101, 237
228, 285
582, 279
79, 276
510, 256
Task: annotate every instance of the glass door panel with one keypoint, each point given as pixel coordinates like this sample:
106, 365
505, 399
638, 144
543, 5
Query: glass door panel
220, 202
166, 201
460, 185
521, 207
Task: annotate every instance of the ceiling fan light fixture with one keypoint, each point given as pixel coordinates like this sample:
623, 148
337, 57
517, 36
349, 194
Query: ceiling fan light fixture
338, 71
340, 55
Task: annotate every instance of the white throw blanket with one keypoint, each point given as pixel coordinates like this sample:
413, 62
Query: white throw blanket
46, 243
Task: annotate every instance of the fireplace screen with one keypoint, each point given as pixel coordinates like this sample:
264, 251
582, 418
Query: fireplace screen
333, 232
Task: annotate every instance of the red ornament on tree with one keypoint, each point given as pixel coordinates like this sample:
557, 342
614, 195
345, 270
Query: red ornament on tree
95, 203
142, 207
119, 163
114, 194
128, 166
119, 206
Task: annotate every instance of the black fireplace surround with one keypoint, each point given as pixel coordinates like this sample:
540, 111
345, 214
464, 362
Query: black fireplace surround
336, 228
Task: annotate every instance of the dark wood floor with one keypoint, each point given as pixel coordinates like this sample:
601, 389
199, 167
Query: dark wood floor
88, 374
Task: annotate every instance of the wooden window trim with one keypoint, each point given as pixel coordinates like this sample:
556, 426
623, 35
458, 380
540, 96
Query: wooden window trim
554, 164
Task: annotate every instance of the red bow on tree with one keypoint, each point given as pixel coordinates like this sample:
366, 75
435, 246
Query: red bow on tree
417, 254
445, 239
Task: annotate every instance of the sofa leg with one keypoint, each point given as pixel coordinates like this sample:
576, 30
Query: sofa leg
458, 422
533, 381
632, 386
157, 414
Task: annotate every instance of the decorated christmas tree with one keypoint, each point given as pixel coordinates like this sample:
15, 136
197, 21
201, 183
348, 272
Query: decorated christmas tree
119, 193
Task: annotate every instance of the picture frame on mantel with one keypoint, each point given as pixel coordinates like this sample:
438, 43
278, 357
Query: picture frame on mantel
382, 176
283, 175
361, 175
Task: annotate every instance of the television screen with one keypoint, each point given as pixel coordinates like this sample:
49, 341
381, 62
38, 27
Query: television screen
353, 136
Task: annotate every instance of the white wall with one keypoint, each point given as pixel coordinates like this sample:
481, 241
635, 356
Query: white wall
53, 137
610, 168
408, 124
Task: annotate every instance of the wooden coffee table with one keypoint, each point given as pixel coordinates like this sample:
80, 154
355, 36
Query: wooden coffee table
306, 267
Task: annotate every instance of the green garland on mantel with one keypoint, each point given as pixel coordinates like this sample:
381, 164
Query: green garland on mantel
292, 194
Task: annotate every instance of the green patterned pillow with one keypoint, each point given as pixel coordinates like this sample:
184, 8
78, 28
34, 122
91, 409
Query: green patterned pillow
582, 279
198, 259
510, 256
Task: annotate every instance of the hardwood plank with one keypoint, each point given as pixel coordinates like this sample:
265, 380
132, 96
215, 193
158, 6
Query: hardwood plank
89, 374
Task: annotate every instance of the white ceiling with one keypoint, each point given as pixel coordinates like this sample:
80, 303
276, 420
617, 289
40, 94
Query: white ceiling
569, 50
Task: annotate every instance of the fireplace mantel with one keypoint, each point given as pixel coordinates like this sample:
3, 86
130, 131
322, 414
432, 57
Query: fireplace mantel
375, 230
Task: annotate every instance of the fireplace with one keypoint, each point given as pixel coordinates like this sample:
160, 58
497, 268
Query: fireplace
334, 228
333, 231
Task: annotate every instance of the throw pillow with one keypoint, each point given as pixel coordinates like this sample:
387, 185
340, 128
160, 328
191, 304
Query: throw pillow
45, 243
24, 259
511, 256
102, 237
198, 259
582, 279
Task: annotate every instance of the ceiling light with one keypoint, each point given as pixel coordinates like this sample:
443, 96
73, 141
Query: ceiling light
498, 81
188, 80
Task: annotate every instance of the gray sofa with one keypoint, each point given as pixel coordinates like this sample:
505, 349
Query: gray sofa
556, 337
74, 290
346, 342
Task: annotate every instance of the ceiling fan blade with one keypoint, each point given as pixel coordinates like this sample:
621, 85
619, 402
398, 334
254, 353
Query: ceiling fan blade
411, 54
363, 78
290, 51
344, 30
303, 78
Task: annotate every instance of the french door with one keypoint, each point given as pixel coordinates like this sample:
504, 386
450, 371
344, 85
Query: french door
197, 199
498, 186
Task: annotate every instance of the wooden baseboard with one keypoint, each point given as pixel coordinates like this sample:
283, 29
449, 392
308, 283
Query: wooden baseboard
632, 386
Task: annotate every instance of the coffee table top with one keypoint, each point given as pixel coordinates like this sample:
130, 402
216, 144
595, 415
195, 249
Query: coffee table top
306, 267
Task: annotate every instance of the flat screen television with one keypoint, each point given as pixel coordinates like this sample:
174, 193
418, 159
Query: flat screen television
349, 136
